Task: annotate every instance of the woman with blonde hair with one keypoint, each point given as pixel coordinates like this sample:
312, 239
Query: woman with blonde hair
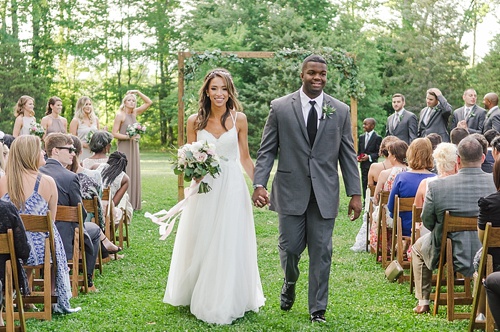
84, 122
129, 145
24, 111
53, 122
35, 193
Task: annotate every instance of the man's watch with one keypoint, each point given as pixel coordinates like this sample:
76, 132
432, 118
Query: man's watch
255, 186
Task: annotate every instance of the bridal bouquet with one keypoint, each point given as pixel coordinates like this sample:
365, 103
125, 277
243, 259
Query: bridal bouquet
36, 129
197, 160
135, 128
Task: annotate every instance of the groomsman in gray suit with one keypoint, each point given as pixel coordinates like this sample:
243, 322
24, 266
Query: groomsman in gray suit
310, 133
458, 194
402, 123
470, 116
492, 121
434, 117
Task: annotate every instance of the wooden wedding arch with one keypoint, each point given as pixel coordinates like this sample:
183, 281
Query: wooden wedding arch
182, 56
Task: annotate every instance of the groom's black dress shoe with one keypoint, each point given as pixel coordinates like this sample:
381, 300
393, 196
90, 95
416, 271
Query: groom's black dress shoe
287, 296
318, 317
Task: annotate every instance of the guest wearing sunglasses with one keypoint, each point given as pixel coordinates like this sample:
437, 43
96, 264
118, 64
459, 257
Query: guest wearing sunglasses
60, 150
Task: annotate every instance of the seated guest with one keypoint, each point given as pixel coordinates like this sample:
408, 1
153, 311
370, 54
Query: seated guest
10, 219
489, 211
457, 134
34, 193
114, 177
445, 159
435, 140
487, 165
419, 156
100, 144
458, 194
397, 158
492, 287
495, 147
490, 135
91, 184
373, 173
60, 150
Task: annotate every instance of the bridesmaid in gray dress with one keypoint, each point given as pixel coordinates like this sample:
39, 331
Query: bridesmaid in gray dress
126, 116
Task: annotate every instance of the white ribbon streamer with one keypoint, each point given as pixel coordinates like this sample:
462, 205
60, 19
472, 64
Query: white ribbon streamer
173, 214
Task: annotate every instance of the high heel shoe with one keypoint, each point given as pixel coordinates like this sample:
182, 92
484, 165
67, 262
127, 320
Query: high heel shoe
112, 252
110, 247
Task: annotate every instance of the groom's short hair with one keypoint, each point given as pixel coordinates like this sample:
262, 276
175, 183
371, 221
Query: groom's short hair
313, 58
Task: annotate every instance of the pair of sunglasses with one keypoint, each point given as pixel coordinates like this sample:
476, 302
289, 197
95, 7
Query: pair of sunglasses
70, 149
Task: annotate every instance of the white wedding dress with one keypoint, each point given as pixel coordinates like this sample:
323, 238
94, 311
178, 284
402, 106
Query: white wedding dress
214, 262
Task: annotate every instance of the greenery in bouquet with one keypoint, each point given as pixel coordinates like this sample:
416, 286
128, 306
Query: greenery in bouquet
36, 129
197, 160
135, 129
89, 135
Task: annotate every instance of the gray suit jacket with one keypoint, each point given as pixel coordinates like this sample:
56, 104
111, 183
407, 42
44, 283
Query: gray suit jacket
458, 194
438, 122
492, 120
302, 168
406, 129
69, 194
475, 120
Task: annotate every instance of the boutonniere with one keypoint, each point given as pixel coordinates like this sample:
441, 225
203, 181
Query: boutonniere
472, 114
400, 117
327, 111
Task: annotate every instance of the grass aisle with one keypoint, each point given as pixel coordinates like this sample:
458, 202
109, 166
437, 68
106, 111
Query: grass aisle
131, 289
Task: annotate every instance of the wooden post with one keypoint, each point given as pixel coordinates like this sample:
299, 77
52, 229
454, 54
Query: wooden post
180, 119
354, 121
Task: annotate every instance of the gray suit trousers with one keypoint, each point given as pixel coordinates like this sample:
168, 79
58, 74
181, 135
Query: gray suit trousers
297, 231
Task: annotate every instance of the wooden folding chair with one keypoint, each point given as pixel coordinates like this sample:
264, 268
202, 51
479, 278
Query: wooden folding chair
11, 274
382, 233
40, 281
92, 206
74, 214
123, 234
416, 217
107, 205
369, 215
491, 239
451, 298
397, 246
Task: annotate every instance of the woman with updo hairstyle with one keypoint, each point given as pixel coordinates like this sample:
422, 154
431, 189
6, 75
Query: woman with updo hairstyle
100, 145
114, 176
53, 122
24, 111
420, 161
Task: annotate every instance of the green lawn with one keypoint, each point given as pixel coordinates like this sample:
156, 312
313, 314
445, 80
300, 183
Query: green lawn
131, 289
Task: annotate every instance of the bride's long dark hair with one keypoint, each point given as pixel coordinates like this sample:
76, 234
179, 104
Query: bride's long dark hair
205, 105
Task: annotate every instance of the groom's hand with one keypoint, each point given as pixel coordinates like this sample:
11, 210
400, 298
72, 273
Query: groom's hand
355, 207
260, 197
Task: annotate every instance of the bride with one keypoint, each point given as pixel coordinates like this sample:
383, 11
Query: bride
214, 262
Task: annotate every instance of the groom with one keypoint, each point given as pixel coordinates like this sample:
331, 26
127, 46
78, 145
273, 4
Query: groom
310, 132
